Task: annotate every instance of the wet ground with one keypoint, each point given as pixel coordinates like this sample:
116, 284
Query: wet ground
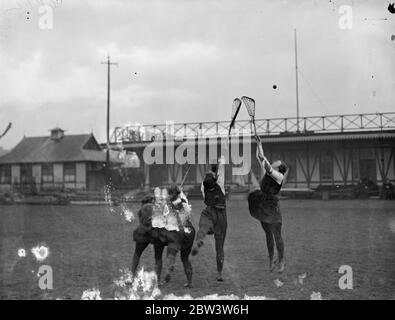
89, 245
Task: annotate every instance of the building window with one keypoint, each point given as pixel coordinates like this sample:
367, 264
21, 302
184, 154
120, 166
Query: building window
26, 173
5, 174
326, 166
69, 172
47, 172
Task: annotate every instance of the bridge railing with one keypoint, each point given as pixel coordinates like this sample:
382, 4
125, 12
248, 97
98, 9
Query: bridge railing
275, 126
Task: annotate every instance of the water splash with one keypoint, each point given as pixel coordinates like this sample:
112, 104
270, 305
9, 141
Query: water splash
218, 297
214, 296
127, 213
40, 252
144, 286
392, 225
246, 297
22, 253
107, 197
91, 294
315, 296
301, 277
124, 211
278, 283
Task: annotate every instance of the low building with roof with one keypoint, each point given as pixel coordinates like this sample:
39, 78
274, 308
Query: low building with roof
57, 161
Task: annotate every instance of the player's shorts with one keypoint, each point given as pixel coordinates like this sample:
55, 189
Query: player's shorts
175, 240
212, 221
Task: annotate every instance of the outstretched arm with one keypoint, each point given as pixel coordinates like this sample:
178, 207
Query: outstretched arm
221, 174
261, 158
221, 165
277, 176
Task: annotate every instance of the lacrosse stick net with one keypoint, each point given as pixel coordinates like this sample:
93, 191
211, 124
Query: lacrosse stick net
250, 106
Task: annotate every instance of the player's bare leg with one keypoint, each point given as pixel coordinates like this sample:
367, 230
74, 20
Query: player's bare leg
171, 260
187, 267
158, 260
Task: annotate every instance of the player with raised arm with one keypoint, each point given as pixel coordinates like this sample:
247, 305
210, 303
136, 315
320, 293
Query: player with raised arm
264, 206
213, 218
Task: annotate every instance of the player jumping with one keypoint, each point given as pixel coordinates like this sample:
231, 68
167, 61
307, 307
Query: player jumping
213, 218
264, 206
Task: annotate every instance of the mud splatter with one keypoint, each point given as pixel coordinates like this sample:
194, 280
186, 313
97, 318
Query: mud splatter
40, 252
144, 286
91, 294
278, 283
315, 296
21, 253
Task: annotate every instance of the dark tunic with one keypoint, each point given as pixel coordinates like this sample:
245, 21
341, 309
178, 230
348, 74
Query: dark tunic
214, 197
145, 233
264, 204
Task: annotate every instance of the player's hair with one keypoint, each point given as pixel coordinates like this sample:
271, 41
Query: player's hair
214, 168
147, 199
209, 181
173, 192
282, 167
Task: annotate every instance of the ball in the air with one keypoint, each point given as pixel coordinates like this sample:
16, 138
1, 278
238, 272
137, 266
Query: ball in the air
274, 86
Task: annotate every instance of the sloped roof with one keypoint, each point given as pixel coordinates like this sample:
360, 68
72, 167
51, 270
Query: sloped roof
44, 149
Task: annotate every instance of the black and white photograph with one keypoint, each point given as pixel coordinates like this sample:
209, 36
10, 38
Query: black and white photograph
224, 151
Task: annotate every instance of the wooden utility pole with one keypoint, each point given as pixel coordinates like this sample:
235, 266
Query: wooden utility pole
108, 63
297, 84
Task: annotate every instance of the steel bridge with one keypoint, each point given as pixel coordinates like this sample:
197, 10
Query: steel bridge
265, 127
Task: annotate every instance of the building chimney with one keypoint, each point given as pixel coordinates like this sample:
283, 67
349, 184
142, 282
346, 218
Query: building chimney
57, 134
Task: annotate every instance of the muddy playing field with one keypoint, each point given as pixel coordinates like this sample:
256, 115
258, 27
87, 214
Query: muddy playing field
89, 246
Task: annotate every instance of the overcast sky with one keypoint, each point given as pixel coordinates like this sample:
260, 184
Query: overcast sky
186, 61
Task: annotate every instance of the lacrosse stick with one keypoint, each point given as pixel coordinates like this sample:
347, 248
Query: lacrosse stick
185, 176
235, 111
250, 106
6, 130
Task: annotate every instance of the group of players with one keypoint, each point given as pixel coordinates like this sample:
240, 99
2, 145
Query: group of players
165, 219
